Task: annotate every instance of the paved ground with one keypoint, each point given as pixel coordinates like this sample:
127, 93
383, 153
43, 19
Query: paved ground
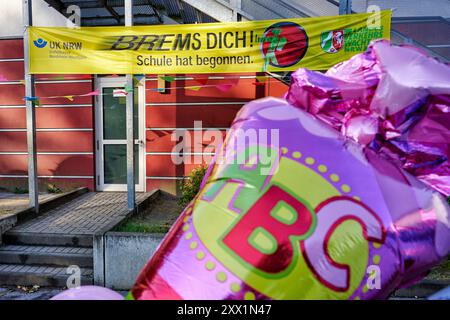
12, 202
13, 293
86, 214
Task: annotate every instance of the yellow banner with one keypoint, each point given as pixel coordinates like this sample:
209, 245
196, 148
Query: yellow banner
254, 46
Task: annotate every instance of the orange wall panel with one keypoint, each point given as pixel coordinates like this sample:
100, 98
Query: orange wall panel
13, 164
184, 116
65, 165
12, 94
64, 118
64, 89
65, 141
276, 88
48, 165
13, 141
164, 165
162, 140
12, 118
51, 141
12, 70
11, 49
48, 118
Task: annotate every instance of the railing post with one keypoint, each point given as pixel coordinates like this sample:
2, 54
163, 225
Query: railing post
131, 199
33, 189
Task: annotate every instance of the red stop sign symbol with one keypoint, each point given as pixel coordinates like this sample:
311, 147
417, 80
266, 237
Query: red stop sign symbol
284, 44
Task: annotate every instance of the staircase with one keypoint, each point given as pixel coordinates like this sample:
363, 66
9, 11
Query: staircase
40, 250
29, 259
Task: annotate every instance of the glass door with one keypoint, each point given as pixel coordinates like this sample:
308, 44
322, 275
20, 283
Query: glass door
111, 143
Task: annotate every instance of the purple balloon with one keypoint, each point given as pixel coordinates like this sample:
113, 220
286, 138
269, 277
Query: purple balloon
304, 212
394, 99
88, 293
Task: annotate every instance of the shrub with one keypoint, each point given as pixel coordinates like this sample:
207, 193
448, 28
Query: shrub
131, 226
191, 185
19, 190
52, 188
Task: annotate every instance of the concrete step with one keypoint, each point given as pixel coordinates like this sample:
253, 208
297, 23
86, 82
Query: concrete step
47, 239
46, 255
43, 276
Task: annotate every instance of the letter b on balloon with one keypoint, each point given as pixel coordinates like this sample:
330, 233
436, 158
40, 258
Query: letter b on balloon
266, 235
269, 226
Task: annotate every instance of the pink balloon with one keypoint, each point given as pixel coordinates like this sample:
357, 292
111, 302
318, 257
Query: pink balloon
88, 293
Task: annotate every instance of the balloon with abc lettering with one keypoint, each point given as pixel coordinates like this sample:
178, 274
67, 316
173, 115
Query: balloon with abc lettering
297, 213
309, 199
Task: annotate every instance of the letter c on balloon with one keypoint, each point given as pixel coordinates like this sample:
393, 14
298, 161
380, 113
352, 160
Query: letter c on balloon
330, 214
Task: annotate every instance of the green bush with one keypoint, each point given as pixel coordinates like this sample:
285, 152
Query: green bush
191, 185
131, 226
19, 190
52, 188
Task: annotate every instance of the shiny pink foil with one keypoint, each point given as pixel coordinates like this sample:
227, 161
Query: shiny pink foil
395, 99
209, 252
394, 102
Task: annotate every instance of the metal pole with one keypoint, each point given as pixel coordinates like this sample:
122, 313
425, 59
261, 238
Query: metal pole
33, 190
129, 119
345, 6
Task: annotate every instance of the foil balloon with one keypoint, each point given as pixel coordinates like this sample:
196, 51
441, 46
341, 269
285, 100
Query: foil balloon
316, 196
292, 209
395, 99
88, 293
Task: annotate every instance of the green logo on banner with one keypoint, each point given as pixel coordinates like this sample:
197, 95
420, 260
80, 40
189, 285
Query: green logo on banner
350, 40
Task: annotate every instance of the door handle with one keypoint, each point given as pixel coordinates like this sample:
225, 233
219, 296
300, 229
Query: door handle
141, 142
